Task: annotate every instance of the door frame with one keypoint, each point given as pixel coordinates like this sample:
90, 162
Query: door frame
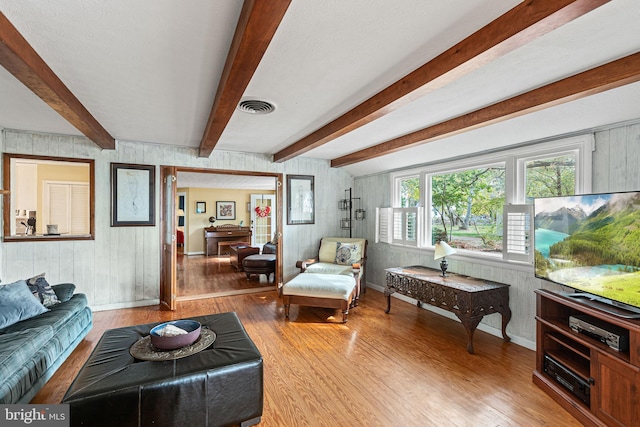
168, 259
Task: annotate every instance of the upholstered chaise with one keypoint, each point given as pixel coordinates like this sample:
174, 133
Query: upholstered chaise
332, 279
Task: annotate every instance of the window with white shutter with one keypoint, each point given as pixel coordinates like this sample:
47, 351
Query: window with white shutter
518, 232
66, 204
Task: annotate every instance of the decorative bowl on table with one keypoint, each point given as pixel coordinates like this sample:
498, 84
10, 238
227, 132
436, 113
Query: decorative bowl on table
175, 334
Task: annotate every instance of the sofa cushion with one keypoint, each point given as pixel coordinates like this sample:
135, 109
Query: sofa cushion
333, 286
17, 303
348, 253
41, 289
55, 317
329, 268
18, 367
64, 291
328, 251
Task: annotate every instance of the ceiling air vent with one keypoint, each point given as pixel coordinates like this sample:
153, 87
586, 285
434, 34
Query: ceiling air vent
256, 106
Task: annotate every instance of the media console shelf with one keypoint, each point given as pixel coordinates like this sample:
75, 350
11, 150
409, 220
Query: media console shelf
605, 381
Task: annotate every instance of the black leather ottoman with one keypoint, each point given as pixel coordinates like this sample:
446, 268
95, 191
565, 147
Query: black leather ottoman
260, 264
219, 386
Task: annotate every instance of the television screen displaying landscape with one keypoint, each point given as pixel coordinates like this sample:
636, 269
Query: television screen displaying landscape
590, 243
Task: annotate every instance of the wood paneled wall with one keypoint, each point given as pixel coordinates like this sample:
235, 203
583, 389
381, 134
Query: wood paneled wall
121, 267
616, 167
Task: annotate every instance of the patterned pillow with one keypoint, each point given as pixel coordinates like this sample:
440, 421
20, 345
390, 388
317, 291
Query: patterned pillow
41, 289
16, 304
347, 253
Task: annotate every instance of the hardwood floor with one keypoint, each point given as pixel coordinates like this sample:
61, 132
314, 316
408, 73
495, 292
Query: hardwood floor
406, 368
200, 276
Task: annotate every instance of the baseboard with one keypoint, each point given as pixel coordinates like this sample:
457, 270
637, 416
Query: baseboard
131, 304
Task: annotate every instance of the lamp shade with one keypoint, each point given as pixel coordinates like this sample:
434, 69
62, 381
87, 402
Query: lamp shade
443, 250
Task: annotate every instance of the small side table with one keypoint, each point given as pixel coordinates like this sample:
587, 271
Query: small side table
470, 299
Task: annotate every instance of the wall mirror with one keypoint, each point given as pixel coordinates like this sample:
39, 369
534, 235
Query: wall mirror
49, 198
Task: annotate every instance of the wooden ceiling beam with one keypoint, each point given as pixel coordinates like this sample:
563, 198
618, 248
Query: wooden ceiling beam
20, 59
257, 25
609, 76
524, 23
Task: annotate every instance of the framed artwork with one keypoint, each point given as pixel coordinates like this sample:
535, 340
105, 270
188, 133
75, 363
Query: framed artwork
201, 207
300, 200
225, 210
132, 194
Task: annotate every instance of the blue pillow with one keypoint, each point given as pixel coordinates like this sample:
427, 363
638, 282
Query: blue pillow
17, 303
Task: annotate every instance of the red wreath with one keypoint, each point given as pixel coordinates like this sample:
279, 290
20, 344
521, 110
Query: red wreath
263, 211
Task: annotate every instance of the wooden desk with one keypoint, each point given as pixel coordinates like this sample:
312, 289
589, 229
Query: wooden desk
468, 298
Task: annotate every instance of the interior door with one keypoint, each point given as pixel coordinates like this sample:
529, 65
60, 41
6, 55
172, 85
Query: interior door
263, 218
168, 260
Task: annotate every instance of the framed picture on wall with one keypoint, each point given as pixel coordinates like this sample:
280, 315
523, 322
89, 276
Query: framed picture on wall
201, 207
300, 199
132, 194
225, 210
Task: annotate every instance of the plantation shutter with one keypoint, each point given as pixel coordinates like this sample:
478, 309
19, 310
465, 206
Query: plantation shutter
67, 206
383, 225
58, 208
518, 232
79, 215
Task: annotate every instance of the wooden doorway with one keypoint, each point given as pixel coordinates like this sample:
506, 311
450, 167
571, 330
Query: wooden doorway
278, 221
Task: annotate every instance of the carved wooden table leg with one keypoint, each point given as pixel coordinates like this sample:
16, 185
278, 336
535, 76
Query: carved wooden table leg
387, 294
506, 316
470, 324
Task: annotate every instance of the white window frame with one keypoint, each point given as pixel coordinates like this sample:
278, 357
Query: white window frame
514, 160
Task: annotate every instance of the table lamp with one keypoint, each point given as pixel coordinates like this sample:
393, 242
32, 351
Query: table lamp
443, 250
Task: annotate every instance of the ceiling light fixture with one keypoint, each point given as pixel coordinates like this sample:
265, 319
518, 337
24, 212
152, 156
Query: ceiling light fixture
256, 106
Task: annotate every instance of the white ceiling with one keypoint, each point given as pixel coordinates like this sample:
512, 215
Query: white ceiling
148, 71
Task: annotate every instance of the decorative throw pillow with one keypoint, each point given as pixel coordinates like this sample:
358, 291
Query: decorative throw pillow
327, 251
64, 291
347, 253
41, 289
17, 303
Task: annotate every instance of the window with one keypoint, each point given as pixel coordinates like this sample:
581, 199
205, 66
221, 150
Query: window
466, 208
482, 205
48, 191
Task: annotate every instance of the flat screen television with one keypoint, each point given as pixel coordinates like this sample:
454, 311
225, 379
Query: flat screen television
591, 244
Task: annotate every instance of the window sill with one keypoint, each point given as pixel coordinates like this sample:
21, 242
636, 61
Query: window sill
46, 238
471, 257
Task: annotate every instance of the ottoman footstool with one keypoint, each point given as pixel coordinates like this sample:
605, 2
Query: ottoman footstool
321, 290
218, 386
260, 264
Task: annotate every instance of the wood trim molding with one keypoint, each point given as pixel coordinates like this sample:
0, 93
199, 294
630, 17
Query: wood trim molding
21, 60
257, 25
521, 25
609, 76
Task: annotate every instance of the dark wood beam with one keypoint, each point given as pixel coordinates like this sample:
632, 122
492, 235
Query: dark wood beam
21, 60
521, 25
257, 24
609, 76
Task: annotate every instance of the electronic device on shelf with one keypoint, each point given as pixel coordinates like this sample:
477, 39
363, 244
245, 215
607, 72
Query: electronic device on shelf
568, 379
614, 336
589, 243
